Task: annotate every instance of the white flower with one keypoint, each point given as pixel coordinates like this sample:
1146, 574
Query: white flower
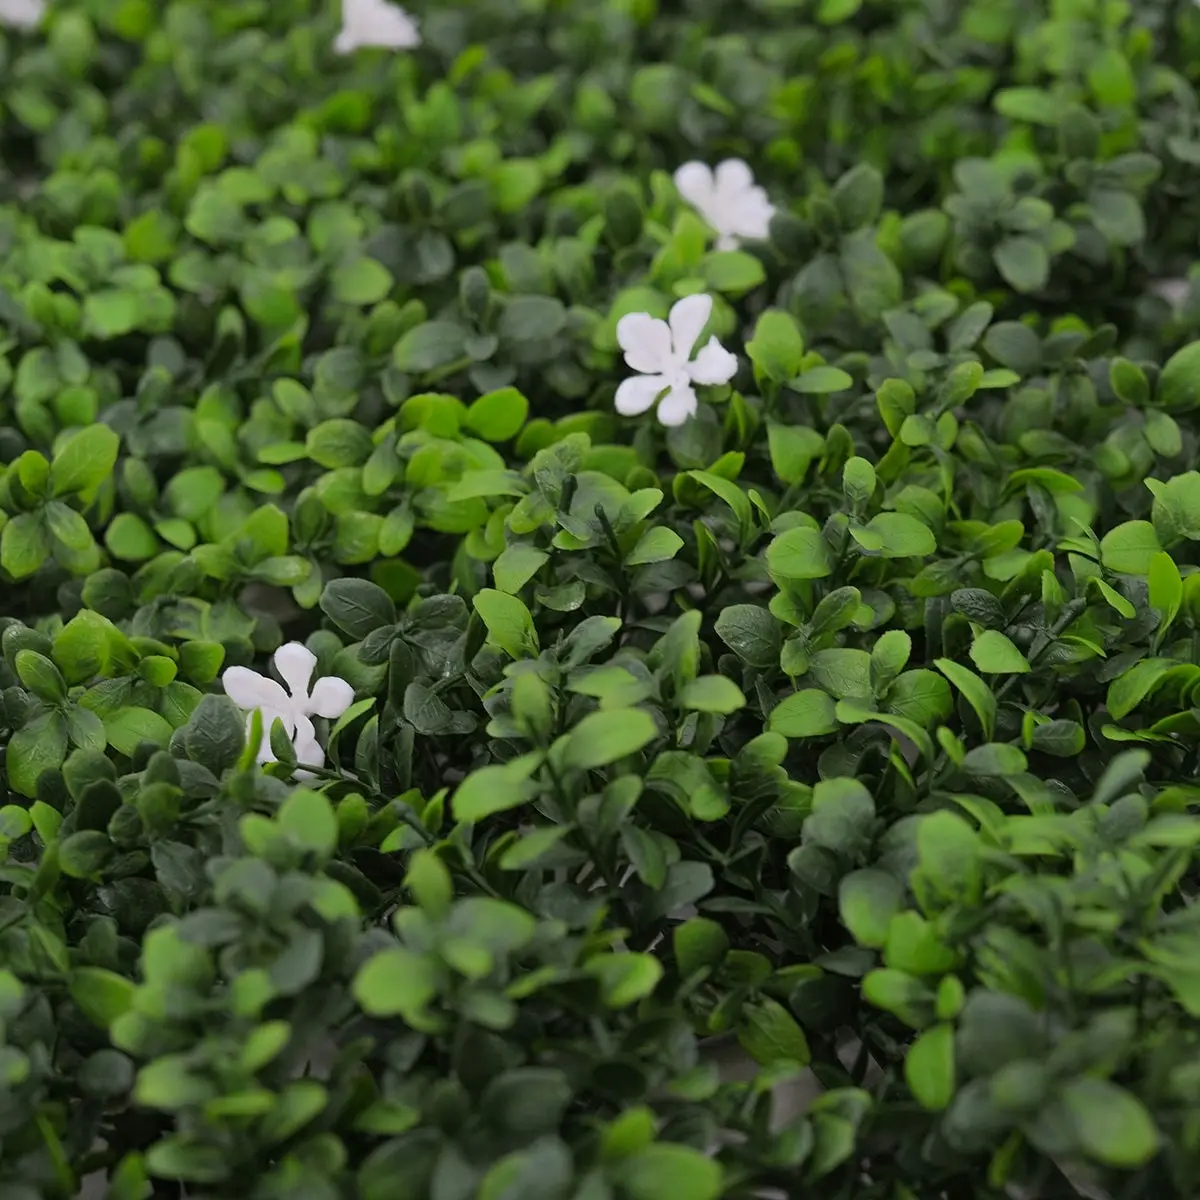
22, 14
728, 200
330, 697
662, 351
1173, 291
375, 23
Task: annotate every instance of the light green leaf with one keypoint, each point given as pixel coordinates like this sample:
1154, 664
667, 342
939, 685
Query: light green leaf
712, 694
808, 713
800, 553
84, 461
509, 623
604, 737
977, 693
995, 654
127, 728
657, 544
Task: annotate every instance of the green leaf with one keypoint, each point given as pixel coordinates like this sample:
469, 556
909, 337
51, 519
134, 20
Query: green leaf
777, 347
800, 553
84, 461
509, 623
976, 693
808, 713
1165, 587
395, 983
867, 901
310, 820
1130, 548
657, 544
698, 943
820, 380
624, 978
902, 536
665, 1169
127, 728
929, 1068
842, 818
102, 996
497, 416
430, 346
732, 272
842, 671
858, 195
712, 694
1132, 686
751, 632
531, 319
793, 448
728, 491
604, 737
361, 281
40, 745
130, 539
492, 789
24, 545
357, 607
1023, 263
517, 565
1113, 1126
1179, 380
770, 1034
994, 654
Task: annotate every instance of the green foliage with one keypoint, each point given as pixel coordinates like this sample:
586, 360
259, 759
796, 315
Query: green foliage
854, 722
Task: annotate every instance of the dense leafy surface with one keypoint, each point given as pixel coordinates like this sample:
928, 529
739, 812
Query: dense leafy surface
855, 716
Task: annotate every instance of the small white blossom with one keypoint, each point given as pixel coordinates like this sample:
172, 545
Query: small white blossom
22, 14
330, 697
728, 200
662, 352
1173, 291
375, 23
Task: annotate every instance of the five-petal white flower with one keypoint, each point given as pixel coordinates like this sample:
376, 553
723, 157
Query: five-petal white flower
22, 14
375, 23
330, 697
662, 352
729, 200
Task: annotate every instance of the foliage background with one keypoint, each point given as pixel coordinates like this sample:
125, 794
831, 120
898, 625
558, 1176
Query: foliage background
860, 708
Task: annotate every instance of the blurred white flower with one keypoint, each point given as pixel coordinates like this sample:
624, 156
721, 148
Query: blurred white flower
22, 14
330, 697
1173, 291
729, 200
375, 23
661, 351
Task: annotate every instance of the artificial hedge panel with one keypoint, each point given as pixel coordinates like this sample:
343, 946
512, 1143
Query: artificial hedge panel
439, 692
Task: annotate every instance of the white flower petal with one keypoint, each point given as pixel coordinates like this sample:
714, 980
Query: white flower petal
308, 750
22, 14
728, 241
688, 317
638, 393
1173, 291
714, 364
248, 689
733, 176
694, 182
646, 342
677, 406
375, 23
330, 697
753, 216
295, 663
